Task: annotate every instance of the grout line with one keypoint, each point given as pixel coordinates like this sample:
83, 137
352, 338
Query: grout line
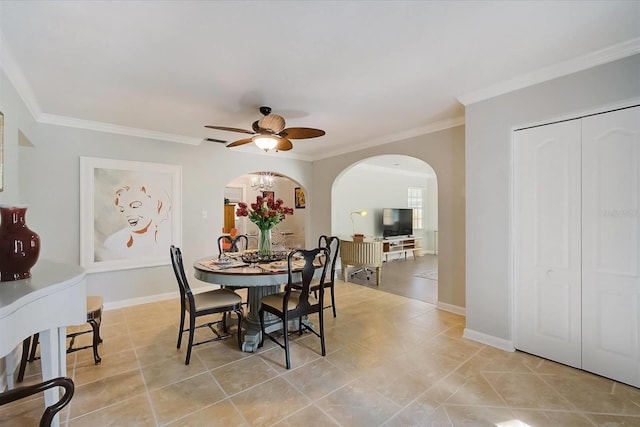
107, 406
146, 386
354, 296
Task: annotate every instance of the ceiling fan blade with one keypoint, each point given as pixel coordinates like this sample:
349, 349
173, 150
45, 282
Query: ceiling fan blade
283, 145
215, 140
239, 142
250, 132
301, 133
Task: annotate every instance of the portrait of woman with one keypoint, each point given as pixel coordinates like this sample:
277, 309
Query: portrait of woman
146, 213
133, 215
130, 213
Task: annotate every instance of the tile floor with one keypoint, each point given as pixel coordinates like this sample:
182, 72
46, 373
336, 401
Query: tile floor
406, 277
391, 361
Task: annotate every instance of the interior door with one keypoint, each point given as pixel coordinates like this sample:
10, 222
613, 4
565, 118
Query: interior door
611, 245
547, 241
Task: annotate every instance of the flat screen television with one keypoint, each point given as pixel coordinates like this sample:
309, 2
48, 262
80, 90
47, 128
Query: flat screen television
397, 222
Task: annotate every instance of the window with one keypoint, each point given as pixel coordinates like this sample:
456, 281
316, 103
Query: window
233, 194
415, 201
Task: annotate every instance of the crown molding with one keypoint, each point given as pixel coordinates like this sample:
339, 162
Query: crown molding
141, 133
609, 54
16, 77
117, 129
603, 56
406, 134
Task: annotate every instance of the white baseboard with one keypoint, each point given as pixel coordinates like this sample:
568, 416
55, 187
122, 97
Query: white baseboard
153, 298
490, 340
456, 309
142, 300
428, 252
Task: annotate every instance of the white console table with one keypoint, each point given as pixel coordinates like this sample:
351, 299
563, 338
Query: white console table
55, 296
401, 245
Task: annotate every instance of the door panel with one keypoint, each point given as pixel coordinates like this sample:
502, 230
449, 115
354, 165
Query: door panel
611, 245
547, 235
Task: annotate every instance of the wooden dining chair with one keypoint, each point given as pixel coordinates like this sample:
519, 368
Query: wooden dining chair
333, 244
18, 393
203, 304
233, 243
297, 300
23, 392
237, 243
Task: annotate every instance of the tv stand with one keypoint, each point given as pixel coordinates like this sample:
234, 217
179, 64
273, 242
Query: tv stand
401, 244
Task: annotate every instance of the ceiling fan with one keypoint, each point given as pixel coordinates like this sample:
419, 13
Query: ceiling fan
269, 133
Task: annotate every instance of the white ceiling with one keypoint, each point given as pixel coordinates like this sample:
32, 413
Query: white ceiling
367, 72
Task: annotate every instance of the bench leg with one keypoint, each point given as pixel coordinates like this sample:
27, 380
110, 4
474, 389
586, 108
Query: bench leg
26, 344
96, 340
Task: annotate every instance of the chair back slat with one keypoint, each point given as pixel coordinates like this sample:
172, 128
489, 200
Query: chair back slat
307, 273
333, 244
178, 269
235, 243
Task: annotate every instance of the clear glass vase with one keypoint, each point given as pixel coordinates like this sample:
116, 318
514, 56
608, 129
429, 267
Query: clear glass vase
264, 243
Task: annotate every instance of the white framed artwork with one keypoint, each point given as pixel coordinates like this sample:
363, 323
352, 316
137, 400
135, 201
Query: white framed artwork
130, 213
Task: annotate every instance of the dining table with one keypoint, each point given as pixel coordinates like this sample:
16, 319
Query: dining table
260, 279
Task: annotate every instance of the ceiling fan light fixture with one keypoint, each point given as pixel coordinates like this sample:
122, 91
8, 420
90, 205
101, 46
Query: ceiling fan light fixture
269, 133
265, 142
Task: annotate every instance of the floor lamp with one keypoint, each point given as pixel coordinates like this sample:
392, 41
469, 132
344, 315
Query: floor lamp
357, 237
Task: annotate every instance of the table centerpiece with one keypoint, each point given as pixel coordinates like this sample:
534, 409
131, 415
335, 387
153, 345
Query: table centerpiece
265, 213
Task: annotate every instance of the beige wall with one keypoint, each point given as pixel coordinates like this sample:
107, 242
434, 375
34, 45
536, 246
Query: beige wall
444, 151
489, 130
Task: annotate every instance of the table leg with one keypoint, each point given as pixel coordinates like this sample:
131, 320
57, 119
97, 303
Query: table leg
54, 363
10, 368
252, 321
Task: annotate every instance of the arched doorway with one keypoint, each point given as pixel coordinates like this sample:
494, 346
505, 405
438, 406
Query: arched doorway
245, 188
392, 181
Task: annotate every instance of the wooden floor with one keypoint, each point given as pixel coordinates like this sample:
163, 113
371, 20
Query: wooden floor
408, 278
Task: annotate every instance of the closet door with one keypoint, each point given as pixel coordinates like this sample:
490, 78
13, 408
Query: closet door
611, 245
547, 241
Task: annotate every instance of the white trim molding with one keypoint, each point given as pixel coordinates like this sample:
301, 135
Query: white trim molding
489, 340
451, 308
599, 57
142, 300
406, 134
117, 129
